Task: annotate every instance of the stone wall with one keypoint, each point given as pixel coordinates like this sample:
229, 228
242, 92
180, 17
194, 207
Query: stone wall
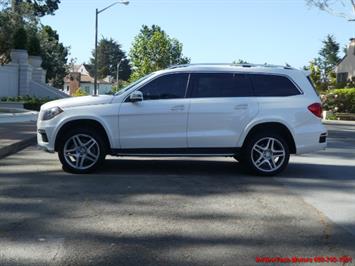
25, 76
8, 80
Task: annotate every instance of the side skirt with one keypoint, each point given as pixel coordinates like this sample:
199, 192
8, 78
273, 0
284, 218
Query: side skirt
167, 152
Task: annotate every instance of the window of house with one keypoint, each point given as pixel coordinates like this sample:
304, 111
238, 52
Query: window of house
273, 85
342, 77
172, 86
207, 85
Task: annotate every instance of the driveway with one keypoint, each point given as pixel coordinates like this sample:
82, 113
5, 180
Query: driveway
182, 211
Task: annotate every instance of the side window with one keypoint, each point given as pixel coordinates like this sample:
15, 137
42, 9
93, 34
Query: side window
272, 85
220, 85
172, 86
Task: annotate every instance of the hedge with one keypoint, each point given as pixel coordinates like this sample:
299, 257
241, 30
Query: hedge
339, 100
29, 103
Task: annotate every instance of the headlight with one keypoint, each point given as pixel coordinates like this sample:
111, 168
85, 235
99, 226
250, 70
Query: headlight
52, 112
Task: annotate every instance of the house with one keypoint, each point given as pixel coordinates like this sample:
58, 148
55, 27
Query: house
345, 69
79, 77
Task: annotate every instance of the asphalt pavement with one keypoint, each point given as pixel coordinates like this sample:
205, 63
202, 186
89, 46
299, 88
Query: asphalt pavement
177, 211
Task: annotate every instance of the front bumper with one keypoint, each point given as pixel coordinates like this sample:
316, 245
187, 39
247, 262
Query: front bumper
45, 136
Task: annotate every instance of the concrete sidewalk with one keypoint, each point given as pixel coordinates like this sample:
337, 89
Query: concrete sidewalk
16, 136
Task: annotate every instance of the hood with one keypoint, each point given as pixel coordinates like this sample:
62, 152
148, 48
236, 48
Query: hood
78, 101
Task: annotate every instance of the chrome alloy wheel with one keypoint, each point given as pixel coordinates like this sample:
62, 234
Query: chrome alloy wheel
81, 151
268, 154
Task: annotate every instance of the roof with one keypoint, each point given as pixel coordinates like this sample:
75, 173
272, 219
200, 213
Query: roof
87, 79
231, 68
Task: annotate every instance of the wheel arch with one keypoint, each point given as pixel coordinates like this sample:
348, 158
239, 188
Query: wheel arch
82, 123
278, 127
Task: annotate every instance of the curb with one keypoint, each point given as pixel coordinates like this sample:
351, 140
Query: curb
17, 146
18, 117
338, 122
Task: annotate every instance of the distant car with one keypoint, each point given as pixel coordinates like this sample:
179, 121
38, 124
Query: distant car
256, 114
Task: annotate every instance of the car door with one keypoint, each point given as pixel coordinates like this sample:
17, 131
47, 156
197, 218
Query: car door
221, 106
160, 120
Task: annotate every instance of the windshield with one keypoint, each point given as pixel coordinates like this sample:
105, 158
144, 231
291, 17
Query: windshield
133, 84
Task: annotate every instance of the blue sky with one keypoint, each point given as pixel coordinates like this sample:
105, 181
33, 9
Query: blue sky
259, 31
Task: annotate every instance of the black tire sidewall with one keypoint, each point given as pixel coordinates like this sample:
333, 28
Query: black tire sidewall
91, 133
247, 149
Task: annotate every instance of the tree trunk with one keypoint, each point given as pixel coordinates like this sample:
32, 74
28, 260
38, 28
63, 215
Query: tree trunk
14, 3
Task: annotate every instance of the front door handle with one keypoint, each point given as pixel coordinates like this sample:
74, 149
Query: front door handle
242, 106
177, 108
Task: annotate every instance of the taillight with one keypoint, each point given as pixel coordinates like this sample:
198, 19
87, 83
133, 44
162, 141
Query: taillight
316, 109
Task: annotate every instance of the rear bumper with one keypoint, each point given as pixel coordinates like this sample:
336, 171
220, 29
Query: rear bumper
319, 142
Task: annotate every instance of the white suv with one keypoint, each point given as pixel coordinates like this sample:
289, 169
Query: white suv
257, 114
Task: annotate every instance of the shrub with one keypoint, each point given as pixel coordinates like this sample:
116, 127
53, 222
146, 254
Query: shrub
20, 39
339, 100
80, 92
29, 103
34, 46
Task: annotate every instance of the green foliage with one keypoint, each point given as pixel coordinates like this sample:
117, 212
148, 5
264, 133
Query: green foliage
240, 62
20, 39
38, 8
109, 54
7, 29
34, 46
10, 24
322, 67
339, 100
118, 87
54, 55
80, 92
152, 50
316, 76
30, 103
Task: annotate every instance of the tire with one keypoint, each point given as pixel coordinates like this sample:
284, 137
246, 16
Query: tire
266, 154
82, 151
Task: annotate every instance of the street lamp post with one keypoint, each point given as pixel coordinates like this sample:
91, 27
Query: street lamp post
118, 69
96, 30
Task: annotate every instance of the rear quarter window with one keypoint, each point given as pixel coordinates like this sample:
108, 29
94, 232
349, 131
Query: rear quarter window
273, 86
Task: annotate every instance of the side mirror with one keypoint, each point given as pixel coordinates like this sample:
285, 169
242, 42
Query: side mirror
136, 96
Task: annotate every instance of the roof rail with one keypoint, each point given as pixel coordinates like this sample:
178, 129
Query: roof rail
231, 64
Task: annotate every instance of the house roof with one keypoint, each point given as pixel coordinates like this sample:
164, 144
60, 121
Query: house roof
87, 79
85, 76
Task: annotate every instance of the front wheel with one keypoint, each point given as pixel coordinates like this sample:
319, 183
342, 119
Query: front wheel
266, 154
81, 151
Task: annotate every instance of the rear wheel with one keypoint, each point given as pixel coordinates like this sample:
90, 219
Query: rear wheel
266, 154
81, 151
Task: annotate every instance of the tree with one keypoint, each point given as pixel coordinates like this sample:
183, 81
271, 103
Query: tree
54, 55
328, 58
315, 75
335, 7
11, 23
39, 8
20, 39
34, 46
109, 55
240, 62
322, 67
153, 49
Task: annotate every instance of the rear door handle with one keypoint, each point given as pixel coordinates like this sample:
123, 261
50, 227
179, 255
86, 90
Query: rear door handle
242, 106
177, 108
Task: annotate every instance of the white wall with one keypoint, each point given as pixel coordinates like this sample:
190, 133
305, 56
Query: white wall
102, 88
348, 63
8, 80
24, 76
